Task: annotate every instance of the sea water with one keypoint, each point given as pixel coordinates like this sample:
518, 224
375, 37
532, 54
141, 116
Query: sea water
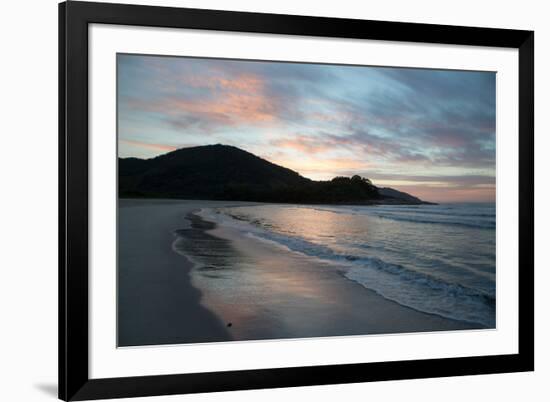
438, 259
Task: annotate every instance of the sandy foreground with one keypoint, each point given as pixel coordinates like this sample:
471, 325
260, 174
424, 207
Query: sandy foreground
245, 290
156, 302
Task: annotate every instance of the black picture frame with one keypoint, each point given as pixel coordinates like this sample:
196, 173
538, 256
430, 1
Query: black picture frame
74, 18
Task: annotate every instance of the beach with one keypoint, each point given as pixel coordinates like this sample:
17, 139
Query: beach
156, 302
185, 279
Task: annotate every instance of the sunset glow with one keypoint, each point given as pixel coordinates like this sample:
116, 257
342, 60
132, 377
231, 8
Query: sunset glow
430, 133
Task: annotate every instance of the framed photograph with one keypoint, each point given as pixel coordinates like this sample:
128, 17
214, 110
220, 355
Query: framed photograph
256, 200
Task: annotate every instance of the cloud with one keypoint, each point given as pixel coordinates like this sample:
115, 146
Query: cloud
150, 146
221, 103
319, 169
307, 144
210, 95
316, 117
450, 188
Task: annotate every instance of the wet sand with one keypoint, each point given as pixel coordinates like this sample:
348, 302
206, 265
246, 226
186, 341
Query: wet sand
156, 302
266, 292
221, 285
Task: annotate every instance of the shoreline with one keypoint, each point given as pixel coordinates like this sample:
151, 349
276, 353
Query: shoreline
223, 295
304, 297
156, 302
301, 297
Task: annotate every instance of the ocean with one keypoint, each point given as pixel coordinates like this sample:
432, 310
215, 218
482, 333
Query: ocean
437, 259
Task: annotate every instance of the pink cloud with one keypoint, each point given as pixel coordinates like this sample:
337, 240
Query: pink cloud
305, 144
320, 169
242, 83
146, 145
230, 102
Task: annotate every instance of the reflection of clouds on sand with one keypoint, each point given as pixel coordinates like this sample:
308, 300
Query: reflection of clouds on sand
256, 291
267, 292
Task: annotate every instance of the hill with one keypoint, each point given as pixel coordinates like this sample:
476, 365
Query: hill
401, 197
222, 172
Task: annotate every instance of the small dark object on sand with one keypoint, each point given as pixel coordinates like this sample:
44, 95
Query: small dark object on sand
229, 324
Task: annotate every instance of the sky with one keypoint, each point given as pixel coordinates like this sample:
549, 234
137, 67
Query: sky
430, 133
